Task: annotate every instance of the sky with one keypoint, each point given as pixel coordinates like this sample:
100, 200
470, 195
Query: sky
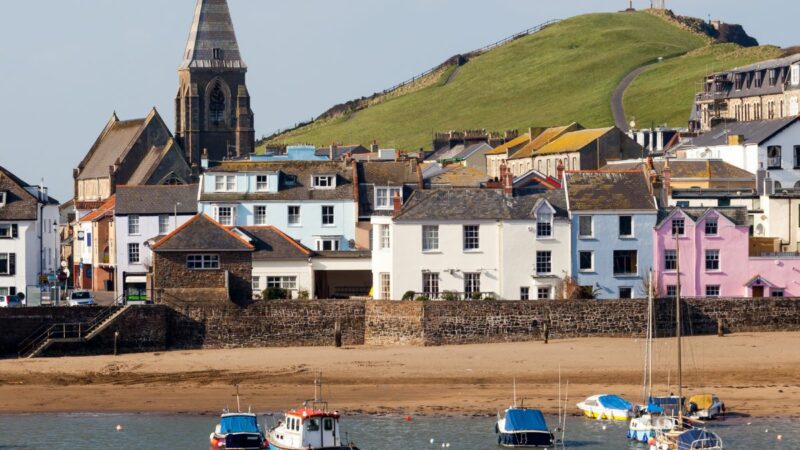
66, 65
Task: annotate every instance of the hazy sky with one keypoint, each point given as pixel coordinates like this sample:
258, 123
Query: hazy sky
66, 65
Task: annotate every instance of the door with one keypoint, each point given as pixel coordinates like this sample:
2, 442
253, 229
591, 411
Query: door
758, 291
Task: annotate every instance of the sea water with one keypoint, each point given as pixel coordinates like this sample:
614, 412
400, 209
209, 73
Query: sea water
153, 431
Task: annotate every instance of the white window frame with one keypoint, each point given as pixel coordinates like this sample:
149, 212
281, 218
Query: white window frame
471, 238
619, 224
706, 291
718, 259
7, 257
544, 263
163, 224
430, 238
671, 287
323, 181
385, 237
795, 75
232, 215
224, 183
581, 218
674, 259
293, 220
430, 284
258, 217
330, 215
591, 261
255, 282
202, 261
386, 285
385, 201
134, 225
262, 183
6, 231
708, 222
544, 225
3, 197
332, 240
472, 283
134, 253
286, 282
543, 292
525, 293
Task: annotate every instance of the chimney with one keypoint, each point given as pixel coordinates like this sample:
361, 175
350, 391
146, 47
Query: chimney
397, 204
735, 139
761, 178
204, 159
374, 147
769, 186
650, 164
332, 152
507, 180
560, 170
667, 175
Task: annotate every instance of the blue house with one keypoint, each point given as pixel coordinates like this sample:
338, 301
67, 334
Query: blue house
613, 214
314, 202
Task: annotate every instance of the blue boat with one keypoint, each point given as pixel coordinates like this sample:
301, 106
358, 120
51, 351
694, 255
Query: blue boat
239, 431
523, 427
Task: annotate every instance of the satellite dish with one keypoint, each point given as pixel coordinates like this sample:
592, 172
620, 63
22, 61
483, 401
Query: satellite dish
759, 230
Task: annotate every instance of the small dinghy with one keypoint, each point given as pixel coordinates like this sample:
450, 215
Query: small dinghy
606, 406
523, 427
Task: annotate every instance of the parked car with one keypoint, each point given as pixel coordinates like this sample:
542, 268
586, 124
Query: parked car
81, 298
10, 301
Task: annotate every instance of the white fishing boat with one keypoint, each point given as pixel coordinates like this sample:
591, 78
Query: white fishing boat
311, 427
606, 407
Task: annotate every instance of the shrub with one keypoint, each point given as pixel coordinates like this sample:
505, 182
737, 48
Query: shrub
450, 296
409, 295
303, 294
475, 296
275, 293
422, 298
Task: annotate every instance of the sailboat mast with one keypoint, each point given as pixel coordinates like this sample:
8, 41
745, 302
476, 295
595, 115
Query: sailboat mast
650, 325
678, 328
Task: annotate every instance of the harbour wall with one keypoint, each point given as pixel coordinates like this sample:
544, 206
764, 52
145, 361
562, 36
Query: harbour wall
314, 322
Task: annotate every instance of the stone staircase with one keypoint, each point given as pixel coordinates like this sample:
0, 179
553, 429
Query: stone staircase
80, 332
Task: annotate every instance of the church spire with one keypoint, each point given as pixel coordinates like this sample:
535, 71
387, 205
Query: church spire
212, 39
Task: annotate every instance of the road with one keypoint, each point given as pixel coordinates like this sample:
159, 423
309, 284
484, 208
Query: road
617, 108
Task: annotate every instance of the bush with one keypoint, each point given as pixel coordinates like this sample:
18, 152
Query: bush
422, 298
303, 294
275, 293
489, 298
409, 295
450, 296
475, 296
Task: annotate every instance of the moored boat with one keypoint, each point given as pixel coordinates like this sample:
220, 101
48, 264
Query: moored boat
523, 427
239, 431
705, 406
606, 406
689, 439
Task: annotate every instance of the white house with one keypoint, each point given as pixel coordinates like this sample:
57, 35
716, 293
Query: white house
473, 244
773, 145
142, 215
29, 241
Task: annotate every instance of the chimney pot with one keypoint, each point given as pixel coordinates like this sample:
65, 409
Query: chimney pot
397, 204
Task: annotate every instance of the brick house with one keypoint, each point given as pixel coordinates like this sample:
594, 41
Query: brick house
202, 260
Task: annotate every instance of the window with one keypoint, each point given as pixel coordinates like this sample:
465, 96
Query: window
430, 238
585, 226
9, 231
133, 253
543, 293
323, 182
544, 225
625, 292
430, 284
672, 291
586, 261
472, 283
776, 293
711, 227
217, 53
163, 224
328, 217
261, 183
625, 262
294, 215
797, 156
384, 197
795, 75
202, 262
288, 283
260, 215
2, 198
670, 260
543, 262
677, 227
524, 293
625, 226
774, 157
712, 259
225, 215
256, 284
682, 204
225, 183
386, 236
8, 263
133, 225
216, 105
386, 286
471, 237
712, 290
328, 244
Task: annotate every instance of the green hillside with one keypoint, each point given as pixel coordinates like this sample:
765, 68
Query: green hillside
564, 73
664, 93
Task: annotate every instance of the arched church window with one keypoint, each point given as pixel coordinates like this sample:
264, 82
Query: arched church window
216, 105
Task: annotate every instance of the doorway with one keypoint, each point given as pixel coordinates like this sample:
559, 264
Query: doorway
758, 291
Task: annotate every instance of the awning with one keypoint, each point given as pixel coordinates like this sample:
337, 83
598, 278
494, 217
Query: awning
130, 279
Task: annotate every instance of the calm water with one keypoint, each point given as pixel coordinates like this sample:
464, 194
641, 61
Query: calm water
90, 431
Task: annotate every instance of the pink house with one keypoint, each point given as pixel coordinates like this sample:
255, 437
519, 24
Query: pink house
713, 245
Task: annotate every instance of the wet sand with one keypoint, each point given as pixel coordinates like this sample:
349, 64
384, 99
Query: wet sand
754, 373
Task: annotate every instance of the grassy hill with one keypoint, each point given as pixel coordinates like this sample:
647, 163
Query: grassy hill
564, 73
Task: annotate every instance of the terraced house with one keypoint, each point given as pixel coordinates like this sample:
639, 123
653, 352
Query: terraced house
613, 214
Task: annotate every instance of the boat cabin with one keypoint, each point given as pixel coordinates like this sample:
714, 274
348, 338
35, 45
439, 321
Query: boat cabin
308, 428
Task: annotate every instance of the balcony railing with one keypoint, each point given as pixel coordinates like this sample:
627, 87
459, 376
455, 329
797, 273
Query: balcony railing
455, 296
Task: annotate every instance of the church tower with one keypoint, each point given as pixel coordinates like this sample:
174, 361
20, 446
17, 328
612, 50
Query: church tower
212, 107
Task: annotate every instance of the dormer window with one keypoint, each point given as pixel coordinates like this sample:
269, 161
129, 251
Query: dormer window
262, 184
323, 182
3, 195
384, 196
225, 183
290, 180
795, 75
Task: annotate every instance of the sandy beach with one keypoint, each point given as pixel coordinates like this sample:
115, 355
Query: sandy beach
754, 373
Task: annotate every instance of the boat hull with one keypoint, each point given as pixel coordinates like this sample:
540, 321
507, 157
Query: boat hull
607, 414
341, 447
526, 439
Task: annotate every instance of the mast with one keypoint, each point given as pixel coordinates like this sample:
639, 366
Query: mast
678, 328
649, 345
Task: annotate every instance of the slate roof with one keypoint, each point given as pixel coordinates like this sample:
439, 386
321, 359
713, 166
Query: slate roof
201, 233
146, 200
472, 149
271, 243
543, 139
299, 190
384, 173
573, 141
445, 153
754, 132
736, 214
688, 168
477, 204
212, 28
21, 204
608, 191
110, 146
457, 176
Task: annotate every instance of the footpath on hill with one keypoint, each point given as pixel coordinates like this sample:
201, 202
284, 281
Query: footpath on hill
753, 373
